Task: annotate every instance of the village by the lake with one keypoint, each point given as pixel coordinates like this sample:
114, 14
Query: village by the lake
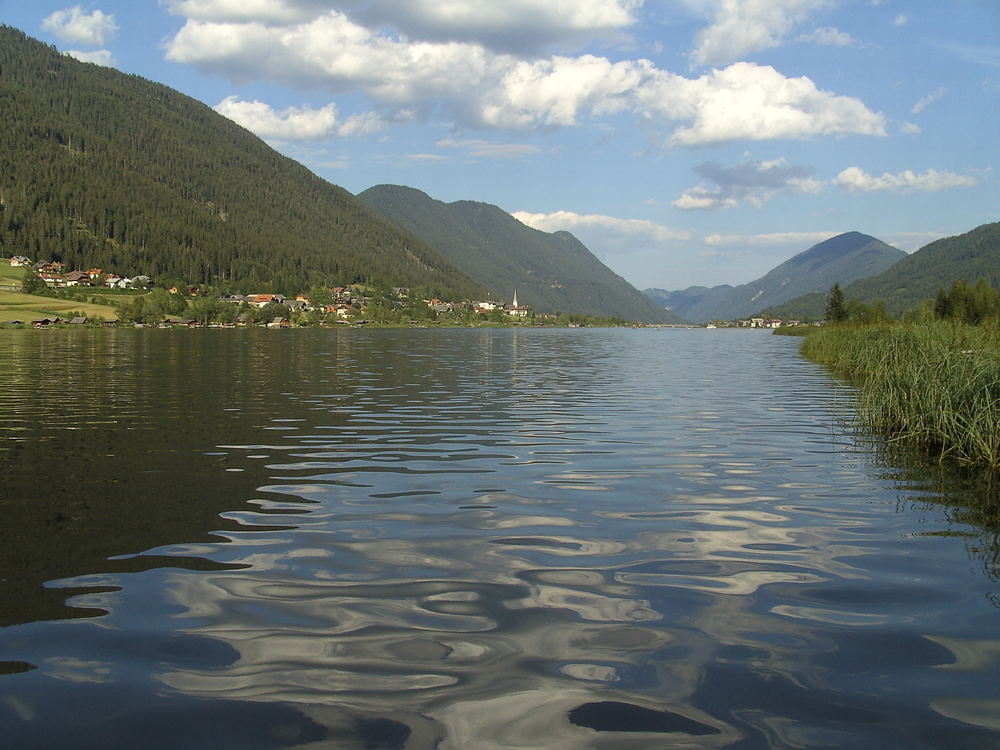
354, 304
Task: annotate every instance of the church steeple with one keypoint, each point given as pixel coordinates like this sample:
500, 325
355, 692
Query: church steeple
514, 303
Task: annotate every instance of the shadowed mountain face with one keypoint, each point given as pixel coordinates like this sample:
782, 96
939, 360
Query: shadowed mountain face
841, 259
550, 272
103, 169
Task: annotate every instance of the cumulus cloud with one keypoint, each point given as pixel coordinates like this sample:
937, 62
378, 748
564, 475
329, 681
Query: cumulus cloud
755, 182
856, 180
740, 27
294, 123
73, 25
932, 97
518, 26
607, 226
98, 57
265, 11
521, 26
754, 102
473, 86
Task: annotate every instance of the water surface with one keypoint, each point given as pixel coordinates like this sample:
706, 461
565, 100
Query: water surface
472, 539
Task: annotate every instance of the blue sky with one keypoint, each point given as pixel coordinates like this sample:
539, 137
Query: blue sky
683, 141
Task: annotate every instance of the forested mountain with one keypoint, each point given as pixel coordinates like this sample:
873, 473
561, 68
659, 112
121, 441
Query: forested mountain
842, 259
917, 277
966, 257
550, 272
99, 168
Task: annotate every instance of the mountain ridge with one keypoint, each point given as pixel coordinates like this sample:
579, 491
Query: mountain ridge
103, 169
839, 259
550, 272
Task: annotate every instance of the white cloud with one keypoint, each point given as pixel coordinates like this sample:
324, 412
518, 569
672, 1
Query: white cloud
489, 149
475, 87
426, 157
98, 57
909, 128
778, 238
754, 102
521, 26
740, 27
755, 182
641, 229
900, 20
856, 180
932, 97
265, 11
296, 124
828, 36
73, 25
531, 26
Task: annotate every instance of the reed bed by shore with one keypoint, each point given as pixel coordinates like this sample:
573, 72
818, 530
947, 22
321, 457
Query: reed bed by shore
932, 385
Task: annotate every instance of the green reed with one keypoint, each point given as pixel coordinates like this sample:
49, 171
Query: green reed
933, 385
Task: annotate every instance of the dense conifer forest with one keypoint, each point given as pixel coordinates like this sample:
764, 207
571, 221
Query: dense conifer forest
102, 169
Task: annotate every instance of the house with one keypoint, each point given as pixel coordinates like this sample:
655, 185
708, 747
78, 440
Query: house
45, 322
19, 261
49, 266
95, 272
280, 322
484, 307
79, 321
51, 279
76, 278
113, 281
262, 300
296, 305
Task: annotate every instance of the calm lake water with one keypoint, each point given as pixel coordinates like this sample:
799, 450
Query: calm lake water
473, 539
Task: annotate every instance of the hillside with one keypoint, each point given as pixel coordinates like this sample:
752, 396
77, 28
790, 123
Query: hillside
842, 259
967, 257
550, 272
98, 168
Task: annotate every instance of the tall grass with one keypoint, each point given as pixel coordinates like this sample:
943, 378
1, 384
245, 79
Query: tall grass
933, 385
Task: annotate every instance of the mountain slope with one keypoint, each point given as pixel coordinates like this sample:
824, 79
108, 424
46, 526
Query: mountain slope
98, 168
967, 257
549, 272
842, 259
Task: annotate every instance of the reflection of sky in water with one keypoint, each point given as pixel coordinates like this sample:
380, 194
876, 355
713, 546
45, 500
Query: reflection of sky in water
518, 539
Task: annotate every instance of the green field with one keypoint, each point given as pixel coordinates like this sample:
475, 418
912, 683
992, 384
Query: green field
28, 307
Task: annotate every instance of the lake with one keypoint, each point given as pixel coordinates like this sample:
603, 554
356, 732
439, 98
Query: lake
474, 539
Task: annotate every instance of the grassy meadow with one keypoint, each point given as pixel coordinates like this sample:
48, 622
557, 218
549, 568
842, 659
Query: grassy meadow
931, 385
28, 307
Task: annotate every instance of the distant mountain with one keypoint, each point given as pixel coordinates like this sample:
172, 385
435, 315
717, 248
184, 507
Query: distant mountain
99, 168
967, 257
840, 259
550, 272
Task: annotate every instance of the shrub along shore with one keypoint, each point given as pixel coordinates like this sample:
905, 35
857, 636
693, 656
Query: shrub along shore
932, 385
